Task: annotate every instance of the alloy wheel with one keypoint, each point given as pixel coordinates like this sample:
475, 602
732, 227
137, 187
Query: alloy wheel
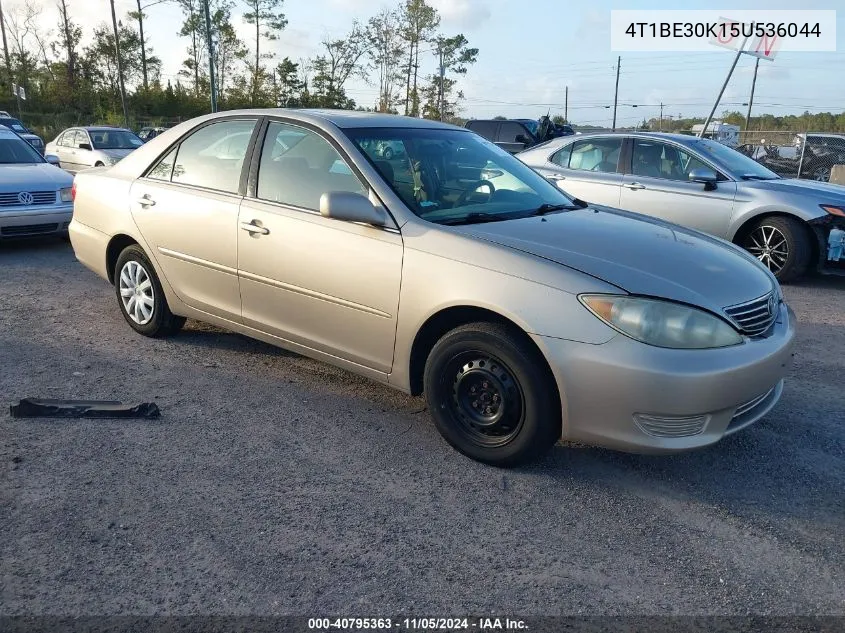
770, 246
822, 174
136, 292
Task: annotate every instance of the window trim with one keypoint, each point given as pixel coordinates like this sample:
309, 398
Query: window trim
177, 144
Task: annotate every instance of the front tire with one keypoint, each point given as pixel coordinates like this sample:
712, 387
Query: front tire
388, 153
492, 395
140, 296
782, 244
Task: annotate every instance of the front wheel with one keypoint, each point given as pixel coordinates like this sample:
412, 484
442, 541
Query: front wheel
140, 296
387, 153
782, 244
491, 395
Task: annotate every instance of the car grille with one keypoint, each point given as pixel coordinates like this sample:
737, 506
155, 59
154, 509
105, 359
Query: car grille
28, 229
754, 317
12, 199
660, 426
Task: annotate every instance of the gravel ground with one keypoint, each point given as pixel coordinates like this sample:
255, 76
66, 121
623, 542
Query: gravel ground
273, 484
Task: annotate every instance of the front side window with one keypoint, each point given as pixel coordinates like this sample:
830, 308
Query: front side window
735, 163
599, 154
454, 177
659, 160
510, 132
298, 166
212, 158
114, 139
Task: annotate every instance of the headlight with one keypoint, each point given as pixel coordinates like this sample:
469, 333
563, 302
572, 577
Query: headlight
66, 195
833, 209
662, 323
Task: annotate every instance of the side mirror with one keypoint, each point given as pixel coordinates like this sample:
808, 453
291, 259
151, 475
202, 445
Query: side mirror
351, 207
52, 159
704, 175
85, 146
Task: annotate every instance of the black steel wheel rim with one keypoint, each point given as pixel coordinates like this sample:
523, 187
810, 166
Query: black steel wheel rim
770, 246
486, 401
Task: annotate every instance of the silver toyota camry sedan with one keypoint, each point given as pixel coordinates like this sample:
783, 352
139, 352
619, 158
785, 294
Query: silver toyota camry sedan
523, 315
789, 225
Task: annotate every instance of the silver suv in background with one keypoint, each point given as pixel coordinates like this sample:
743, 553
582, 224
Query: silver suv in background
789, 225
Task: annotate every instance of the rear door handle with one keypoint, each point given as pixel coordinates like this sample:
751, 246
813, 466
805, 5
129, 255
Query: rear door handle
146, 201
556, 177
252, 228
633, 185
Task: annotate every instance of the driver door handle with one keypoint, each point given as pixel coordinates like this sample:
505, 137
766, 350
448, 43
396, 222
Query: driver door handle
146, 201
633, 185
252, 228
556, 177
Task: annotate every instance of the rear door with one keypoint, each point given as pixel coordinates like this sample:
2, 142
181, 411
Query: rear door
588, 169
187, 210
658, 185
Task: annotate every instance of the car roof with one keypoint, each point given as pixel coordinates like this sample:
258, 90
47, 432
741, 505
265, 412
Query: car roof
345, 119
101, 128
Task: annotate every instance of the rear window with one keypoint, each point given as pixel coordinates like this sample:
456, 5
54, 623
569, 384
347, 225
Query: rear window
487, 129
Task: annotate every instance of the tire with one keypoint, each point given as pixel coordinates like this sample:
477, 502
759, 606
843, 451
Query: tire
387, 153
766, 239
132, 271
99, 164
492, 395
821, 174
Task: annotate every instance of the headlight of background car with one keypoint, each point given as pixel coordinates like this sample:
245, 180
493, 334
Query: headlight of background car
66, 195
662, 323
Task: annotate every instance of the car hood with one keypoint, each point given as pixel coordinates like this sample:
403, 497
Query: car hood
34, 177
826, 192
116, 153
637, 254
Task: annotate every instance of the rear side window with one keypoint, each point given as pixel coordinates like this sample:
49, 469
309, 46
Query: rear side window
298, 166
510, 132
213, 156
598, 154
487, 129
561, 157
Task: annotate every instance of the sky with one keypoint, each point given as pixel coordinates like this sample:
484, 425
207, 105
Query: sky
531, 50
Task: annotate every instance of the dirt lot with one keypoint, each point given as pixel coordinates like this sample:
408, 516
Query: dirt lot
274, 484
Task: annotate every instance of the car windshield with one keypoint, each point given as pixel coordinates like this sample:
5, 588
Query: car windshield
14, 150
114, 139
13, 124
454, 177
738, 164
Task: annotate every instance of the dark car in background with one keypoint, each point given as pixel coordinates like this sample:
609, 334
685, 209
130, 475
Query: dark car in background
814, 155
516, 135
149, 133
20, 129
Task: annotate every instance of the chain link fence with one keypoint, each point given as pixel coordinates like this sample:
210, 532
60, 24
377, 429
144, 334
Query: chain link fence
793, 154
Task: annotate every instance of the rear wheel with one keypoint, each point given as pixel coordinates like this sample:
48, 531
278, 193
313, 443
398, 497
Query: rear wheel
140, 296
491, 395
388, 153
782, 244
99, 164
821, 174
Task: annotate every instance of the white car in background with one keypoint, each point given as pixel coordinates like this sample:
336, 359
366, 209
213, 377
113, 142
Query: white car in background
85, 147
36, 197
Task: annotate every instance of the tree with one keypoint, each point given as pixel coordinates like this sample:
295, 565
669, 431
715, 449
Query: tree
456, 57
194, 28
264, 14
386, 48
419, 23
341, 61
229, 49
288, 85
70, 34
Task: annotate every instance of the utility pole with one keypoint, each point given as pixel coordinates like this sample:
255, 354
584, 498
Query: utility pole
119, 66
143, 45
722, 91
751, 100
210, 43
661, 116
566, 106
442, 78
616, 93
8, 62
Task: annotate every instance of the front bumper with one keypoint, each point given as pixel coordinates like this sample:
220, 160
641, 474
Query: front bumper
52, 220
682, 399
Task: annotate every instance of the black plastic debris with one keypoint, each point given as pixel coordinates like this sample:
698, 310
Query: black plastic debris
46, 408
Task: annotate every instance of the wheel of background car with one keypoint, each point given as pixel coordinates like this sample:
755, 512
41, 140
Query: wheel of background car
140, 297
99, 164
492, 395
387, 153
821, 174
782, 244
473, 188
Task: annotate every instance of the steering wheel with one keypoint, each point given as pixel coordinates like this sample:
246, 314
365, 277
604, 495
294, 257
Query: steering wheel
473, 188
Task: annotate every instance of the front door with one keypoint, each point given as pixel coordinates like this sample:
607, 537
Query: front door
658, 185
329, 285
186, 208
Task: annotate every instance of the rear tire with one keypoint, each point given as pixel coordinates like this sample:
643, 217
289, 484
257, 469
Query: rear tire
782, 244
140, 296
492, 395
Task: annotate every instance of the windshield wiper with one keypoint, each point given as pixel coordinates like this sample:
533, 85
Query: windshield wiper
474, 218
547, 208
753, 177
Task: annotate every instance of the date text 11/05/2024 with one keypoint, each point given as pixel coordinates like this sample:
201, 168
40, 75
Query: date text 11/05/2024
416, 624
